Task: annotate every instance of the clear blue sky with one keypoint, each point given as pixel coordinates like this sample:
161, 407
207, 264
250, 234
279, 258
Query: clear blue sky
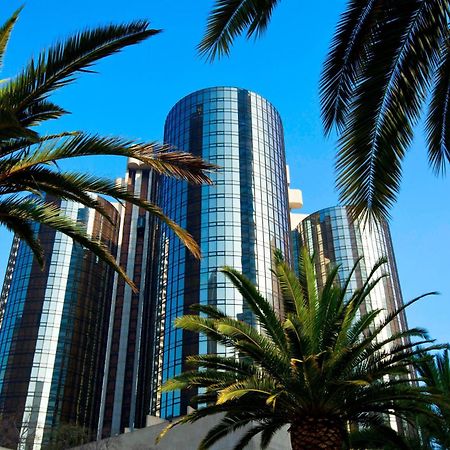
134, 91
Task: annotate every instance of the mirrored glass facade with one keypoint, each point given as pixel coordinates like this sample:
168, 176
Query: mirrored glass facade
337, 240
54, 328
238, 222
126, 386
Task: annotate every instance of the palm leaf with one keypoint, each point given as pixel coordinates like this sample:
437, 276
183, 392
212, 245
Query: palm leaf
387, 102
438, 120
16, 212
345, 58
59, 65
5, 33
229, 19
181, 165
262, 309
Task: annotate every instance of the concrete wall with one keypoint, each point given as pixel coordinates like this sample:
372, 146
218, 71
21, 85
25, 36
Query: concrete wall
182, 437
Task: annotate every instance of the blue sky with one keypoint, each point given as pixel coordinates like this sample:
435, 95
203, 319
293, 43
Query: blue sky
134, 91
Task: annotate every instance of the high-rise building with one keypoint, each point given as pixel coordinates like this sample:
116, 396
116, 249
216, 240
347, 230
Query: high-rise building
238, 222
126, 385
54, 328
335, 239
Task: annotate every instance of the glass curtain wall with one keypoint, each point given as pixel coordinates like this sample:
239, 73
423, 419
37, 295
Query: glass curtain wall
334, 239
238, 222
53, 333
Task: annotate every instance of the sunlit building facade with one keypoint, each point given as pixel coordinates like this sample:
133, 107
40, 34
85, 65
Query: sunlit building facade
238, 222
128, 365
335, 239
54, 328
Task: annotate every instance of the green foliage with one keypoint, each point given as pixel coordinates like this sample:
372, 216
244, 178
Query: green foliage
230, 18
28, 160
387, 58
435, 373
66, 436
324, 360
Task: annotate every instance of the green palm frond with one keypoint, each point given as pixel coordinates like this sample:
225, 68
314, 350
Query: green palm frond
230, 423
249, 435
40, 111
181, 165
217, 362
335, 366
438, 119
386, 102
28, 160
344, 61
17, 212
260, 307
231, 18
5, 33
59, 65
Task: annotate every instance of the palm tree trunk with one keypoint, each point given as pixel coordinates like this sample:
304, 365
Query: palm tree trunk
312, 433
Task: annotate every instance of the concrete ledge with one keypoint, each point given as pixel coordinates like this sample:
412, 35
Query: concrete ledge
182, 437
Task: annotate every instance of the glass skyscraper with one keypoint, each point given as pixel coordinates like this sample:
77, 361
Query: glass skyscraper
238, 222
335, 239
53, 332
126, 389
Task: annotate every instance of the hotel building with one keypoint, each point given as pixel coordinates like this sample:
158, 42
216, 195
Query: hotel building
54, 329
238, 222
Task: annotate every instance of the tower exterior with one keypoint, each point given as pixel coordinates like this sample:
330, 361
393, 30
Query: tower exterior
126, 385
53, 332
238, 222
334, 239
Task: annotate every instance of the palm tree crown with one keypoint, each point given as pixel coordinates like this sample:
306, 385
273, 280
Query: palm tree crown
435, 373
28, 159
320, 369
386, 59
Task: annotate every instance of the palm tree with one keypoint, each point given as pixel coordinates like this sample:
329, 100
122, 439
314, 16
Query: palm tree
386, 59
435, 373
28, 160
383, 437
321, 369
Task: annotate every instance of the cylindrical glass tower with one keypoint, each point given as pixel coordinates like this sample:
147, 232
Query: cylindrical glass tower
238, 222
54, 328
335, 239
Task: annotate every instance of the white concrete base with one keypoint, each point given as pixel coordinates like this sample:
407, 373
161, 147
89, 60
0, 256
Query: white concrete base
182, 437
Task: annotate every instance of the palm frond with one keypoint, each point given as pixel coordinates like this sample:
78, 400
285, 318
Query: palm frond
262, 309
59, 65
5, 33
40, 111
438, 119
386, 104
346, 56
211, 311
180, 165
23, 230
231, 18
229, 424
212, 361
290, 287
248, 436
16, 212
